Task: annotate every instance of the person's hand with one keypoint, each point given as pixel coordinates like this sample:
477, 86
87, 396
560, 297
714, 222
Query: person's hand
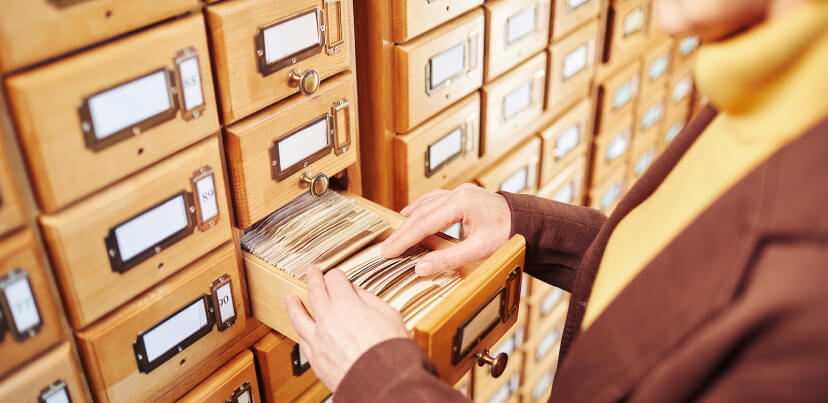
485, 217
347, 322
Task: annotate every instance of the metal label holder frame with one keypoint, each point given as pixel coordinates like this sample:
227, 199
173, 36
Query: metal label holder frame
88, 128
224, 280
266, 68
182, 56
429, 89
463, 139
201, 223
53, 389
333, 46
538, 24
296, 362
339, 106
241, 390
111, 242
19, 335
280, 173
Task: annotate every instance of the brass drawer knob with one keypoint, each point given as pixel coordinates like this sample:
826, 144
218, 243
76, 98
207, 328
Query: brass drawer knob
497, 363
308, 82
318, 183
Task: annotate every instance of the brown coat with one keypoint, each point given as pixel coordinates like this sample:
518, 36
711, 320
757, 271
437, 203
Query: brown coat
735, 309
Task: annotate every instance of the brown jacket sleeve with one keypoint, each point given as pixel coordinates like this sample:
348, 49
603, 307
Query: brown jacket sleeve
395, 371
557, 235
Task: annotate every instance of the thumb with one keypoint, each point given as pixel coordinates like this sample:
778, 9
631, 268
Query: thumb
452, 257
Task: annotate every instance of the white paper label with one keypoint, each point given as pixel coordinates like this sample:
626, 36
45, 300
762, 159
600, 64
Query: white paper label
128, 104
447, 64
573, 4
22, 305
302, 144
610, 196
191, 81
550, 301
516, 182
567, 140
206, 189
618, 146
502, 394
634, 21
507, 346
543, 384
521, 24
688, 44
245, 397
565, 195
445, 148
150, 228
226, 307
481, 322
59, 396
454, 230
643, 162
673, 132
174, 330
302, 359
517, 100
546, 344
652, 116
658, 68
682, 88
291, 37
623, 94
328, 399
575, 61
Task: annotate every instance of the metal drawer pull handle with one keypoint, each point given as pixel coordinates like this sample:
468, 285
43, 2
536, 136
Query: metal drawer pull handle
497, 363
318, 183
308, 82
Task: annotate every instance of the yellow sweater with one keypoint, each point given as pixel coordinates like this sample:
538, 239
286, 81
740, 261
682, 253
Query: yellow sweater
770, 84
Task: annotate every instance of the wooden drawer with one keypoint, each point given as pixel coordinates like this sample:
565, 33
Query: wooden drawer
675, 119
505, 389
658, 63
438, 331
269, 152
29, 318
114, 246
568, 185
55, 375
685, 51
571, 68
147, 346
511, 103
538, 386
650, 115
681, 87
235, 382
11, 209
35, 30
617, 96
565, 140
437, 69
92, 119
515, 30
254, 62
644, 152
464, 385
284, 371
436, 152
318, 393
414, 17
544, 304
628, 29
605, 194
544, 342
612, 147
571, 14
517, 172
511, 344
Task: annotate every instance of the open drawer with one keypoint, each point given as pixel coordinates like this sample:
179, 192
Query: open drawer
454, 331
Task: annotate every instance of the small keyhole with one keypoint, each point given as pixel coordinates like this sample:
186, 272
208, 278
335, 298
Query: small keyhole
447, 8
160, 265
140, 151
182, 362
108, 13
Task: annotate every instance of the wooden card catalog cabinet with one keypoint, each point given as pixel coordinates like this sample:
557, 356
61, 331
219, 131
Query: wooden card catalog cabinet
565, 140
464, 385
644, 152
515, 30
537, 387
517, 172
436, 152
658, 64
510, 344
318, 393
544, 304
571, 68
149, 344
627, 30
681, 87
606, 193
612, 147
414, 17
506, 389
675, 119
685, 50
291, 148
542, 347
52, 378
617, 96
568, 185
266, 50
114, 246
92, 119
650, 115
29, 321
512, 103
35, 30
568, 15
285, 371
437, 70
11, 209
235, 382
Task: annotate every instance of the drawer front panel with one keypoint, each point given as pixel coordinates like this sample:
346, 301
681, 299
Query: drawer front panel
511, 344
571, 14
543, 346
572, 67
628, 29
146, 346
254, 62
284, 373
55, 375
515, 30
612, 147
269, 152
432, 155
657, 66
565, 140
617, 96
92, 119
11, 209
29, 320
115, 245
235, 382
681, 86
650, 115
437, 69
511, 103
568, 185
605, 195
36, 30
685, 50
517, 173
644, 152
676, 118
414, 17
